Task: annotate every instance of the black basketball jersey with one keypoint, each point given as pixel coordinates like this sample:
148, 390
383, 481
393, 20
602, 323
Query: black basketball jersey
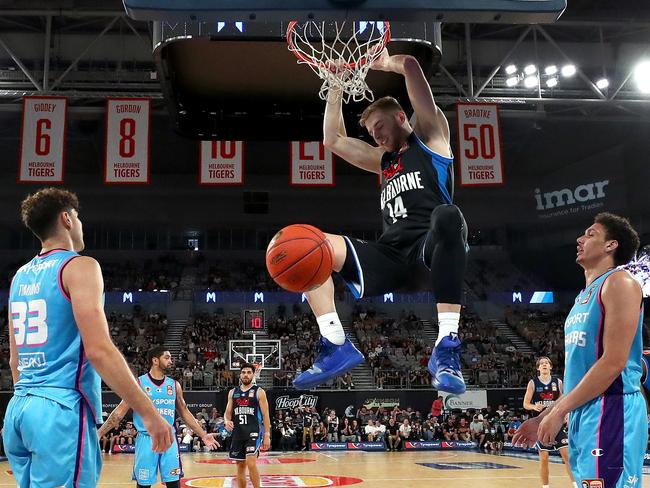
307, 418
546, 393
413, 183
246, 416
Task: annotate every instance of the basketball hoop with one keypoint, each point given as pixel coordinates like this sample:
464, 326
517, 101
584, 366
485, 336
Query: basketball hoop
257, 372
340, 53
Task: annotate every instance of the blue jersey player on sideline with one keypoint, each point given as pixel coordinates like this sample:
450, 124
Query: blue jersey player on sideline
247, 417
59, 346
424, 233
608, 426
167, 396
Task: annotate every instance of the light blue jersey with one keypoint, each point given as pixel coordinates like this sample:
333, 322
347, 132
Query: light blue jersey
148, 463
607, 435
50, 433
163, 398
583, 341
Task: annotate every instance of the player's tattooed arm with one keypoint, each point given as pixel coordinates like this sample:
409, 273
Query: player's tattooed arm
113, 419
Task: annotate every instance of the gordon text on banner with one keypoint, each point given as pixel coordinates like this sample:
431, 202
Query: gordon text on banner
127, 141
311, 164
479, 144
221, 163
42, 140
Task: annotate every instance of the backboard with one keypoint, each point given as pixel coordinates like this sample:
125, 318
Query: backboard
501, 11
267, 352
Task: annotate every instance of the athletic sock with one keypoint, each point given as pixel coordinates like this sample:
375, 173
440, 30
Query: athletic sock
331, 328
447, 323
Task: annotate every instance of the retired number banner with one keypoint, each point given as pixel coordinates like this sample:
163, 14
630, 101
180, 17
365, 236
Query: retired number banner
311, 164
127, 141
42, 139
221, 163
479, 141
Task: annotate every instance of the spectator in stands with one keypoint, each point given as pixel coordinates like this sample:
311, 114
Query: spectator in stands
127, 436
345, 381
463, 431
332, 427
346, 434
321, 432
436, 407
370, 431
355, 430
288, 440
514, 424
393, 433
405, 430
449, 430
477, 430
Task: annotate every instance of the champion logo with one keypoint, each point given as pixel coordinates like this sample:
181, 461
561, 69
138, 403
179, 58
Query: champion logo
597, 452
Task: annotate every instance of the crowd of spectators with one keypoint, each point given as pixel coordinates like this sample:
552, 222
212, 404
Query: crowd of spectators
295, 429
395, 348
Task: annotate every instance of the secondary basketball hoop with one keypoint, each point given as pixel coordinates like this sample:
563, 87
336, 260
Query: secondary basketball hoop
340, 53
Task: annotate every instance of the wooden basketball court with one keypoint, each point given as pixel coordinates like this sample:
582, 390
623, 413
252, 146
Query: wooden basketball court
451, 469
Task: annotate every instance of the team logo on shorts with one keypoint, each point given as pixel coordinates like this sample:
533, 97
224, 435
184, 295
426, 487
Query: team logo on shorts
250, 449
597, 452
143, 474
170, 392
175, 472
597, 483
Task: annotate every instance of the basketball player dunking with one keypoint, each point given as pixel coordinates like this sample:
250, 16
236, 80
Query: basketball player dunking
542, 392
167, 395
247, 417
423, 230
59, 342
608, 426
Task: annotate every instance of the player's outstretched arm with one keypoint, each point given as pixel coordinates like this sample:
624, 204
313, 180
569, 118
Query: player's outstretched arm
82, 279
264, 408
13, 353
431, 124
181, 407
354, 151
114, 419
227, 415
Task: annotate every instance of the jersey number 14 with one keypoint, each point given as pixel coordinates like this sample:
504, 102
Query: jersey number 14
397, 210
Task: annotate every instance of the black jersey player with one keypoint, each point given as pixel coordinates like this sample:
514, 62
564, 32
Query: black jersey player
543, 391
247, 417
424, 232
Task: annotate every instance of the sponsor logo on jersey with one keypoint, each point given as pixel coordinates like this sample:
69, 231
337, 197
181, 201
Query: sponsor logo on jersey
597, 452
554, 387
587, 296
273, 481
170, 390
393, 168
243, 402
147, 389
596, 483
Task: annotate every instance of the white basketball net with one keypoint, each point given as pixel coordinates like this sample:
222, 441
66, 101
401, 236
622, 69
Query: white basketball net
343, 60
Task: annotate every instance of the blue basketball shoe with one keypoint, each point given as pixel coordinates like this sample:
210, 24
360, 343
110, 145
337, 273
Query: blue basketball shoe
332, 361
444, 366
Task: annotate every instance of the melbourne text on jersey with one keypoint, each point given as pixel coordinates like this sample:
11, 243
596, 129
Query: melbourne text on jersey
409, 181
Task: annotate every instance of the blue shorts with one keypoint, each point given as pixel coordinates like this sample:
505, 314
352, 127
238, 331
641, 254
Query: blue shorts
148, 463
49, 444
607, 441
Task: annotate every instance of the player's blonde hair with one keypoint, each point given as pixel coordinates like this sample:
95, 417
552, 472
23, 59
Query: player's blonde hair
384, 104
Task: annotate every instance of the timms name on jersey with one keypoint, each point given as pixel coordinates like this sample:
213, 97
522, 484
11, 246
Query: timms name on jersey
583, 341
163, 397
247, 416
546, 394
51, 357
413, 183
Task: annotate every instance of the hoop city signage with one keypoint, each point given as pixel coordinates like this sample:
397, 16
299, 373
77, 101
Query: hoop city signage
286, 402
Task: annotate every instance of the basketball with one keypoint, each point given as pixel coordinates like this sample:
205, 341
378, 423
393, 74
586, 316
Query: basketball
299, 258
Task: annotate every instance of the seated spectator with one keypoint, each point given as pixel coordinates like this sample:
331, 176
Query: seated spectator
393, 433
